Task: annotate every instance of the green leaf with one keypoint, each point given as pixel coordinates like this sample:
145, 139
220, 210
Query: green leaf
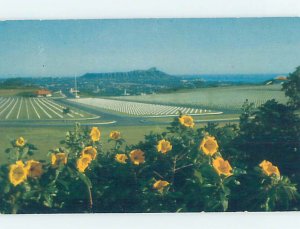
199, 176
28, 195
85, 179
225, 204
48, 200
179, 210
208, 185
6, 189
226, 190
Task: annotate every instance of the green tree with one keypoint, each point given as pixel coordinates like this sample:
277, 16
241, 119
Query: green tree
13, 83
292, 88
273, 133
66, 110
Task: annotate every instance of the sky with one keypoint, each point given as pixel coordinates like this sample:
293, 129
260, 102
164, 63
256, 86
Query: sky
176, 46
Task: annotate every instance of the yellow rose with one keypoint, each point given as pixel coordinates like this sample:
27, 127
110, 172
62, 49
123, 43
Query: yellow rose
269, 169
209, 145
95, 134
137, 156
115, 135
187, 121
222, 167
17, 173
20, 142
160, 185
164, 146
83, 162
58, 159
121, 158
90, 150
35, 168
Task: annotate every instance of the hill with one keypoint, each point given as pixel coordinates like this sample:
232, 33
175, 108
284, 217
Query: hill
151, 76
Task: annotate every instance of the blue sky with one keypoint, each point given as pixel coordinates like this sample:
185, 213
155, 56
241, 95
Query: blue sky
176, 46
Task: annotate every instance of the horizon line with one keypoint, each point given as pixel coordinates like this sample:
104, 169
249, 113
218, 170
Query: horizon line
176, 75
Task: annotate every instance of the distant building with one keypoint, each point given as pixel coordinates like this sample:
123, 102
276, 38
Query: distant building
72, 90
125, 92
281, 78
97, 90
43, 93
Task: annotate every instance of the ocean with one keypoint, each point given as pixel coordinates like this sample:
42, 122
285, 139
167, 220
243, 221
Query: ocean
244, 78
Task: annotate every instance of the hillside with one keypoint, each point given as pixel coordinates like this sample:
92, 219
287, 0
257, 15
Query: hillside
150, 76
227, 98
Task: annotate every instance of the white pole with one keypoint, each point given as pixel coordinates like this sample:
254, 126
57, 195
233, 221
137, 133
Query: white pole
75, 87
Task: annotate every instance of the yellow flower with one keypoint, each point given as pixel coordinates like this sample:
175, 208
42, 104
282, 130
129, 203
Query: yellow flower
58, 159
269, 169
164, 146
95, 134
222, 167
89, 150
121, 158
20, 142
115, 135
83, 162
137, 156
209, 145
34, 168
17, 173
160, 185
187, 121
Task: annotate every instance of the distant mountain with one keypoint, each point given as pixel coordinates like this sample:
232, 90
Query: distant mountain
150, 76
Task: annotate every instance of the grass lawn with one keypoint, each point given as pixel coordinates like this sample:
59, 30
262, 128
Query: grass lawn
215, 98
17, 91
49, 138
